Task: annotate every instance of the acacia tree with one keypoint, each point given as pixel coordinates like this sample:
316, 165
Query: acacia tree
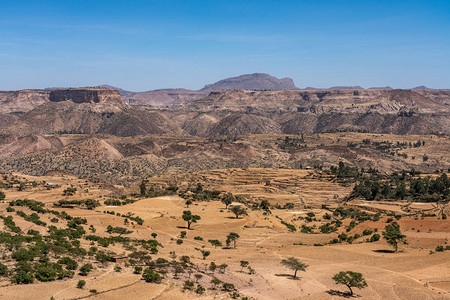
294, 264
238, 210
190, 218
232, 237
244, 264
227, 199
350, 279
118, 230
393, 235
215, 243
205, 253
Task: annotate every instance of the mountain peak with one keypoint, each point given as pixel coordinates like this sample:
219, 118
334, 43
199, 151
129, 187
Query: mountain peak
255, 81
421, 87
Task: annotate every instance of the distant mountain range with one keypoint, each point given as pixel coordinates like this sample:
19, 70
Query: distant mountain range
166, 98
250, 82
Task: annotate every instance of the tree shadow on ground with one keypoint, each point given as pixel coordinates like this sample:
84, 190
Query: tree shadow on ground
341, 294
384, 251
288, 275
184, 227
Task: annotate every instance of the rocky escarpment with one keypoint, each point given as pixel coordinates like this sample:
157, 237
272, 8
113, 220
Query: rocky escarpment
26, 100
96, 95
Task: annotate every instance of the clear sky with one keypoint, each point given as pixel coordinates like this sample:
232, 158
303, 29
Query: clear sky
144, 45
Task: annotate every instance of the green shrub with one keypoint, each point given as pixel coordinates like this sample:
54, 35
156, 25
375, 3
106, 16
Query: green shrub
343, 236
3, 270
85, 269
69, 262
200, 290
440, 249
23, 277
367, 232
228, 287
32, 232
374, 237
23, 255
81, 283
151, 276
47, 271
188, 285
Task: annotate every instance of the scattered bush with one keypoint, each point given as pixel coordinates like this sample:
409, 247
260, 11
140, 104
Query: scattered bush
81, 283
151, 276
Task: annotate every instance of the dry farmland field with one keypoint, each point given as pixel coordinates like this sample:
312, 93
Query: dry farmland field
305, 214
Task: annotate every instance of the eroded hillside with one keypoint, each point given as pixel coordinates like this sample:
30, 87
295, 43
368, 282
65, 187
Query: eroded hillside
126, 159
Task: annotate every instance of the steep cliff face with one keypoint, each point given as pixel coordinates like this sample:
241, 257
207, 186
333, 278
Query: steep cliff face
101, 96
26, 100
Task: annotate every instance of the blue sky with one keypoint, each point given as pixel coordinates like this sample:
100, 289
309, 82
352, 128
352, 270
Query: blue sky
144, 45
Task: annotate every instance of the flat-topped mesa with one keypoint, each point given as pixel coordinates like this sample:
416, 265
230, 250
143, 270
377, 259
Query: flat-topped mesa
87, 95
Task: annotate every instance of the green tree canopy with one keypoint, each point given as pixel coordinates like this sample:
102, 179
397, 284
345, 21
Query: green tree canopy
393, 235
232, 237
238, 210
190, 218
350, 279
294, 264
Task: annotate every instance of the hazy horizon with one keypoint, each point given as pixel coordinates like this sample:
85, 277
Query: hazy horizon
147, 45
